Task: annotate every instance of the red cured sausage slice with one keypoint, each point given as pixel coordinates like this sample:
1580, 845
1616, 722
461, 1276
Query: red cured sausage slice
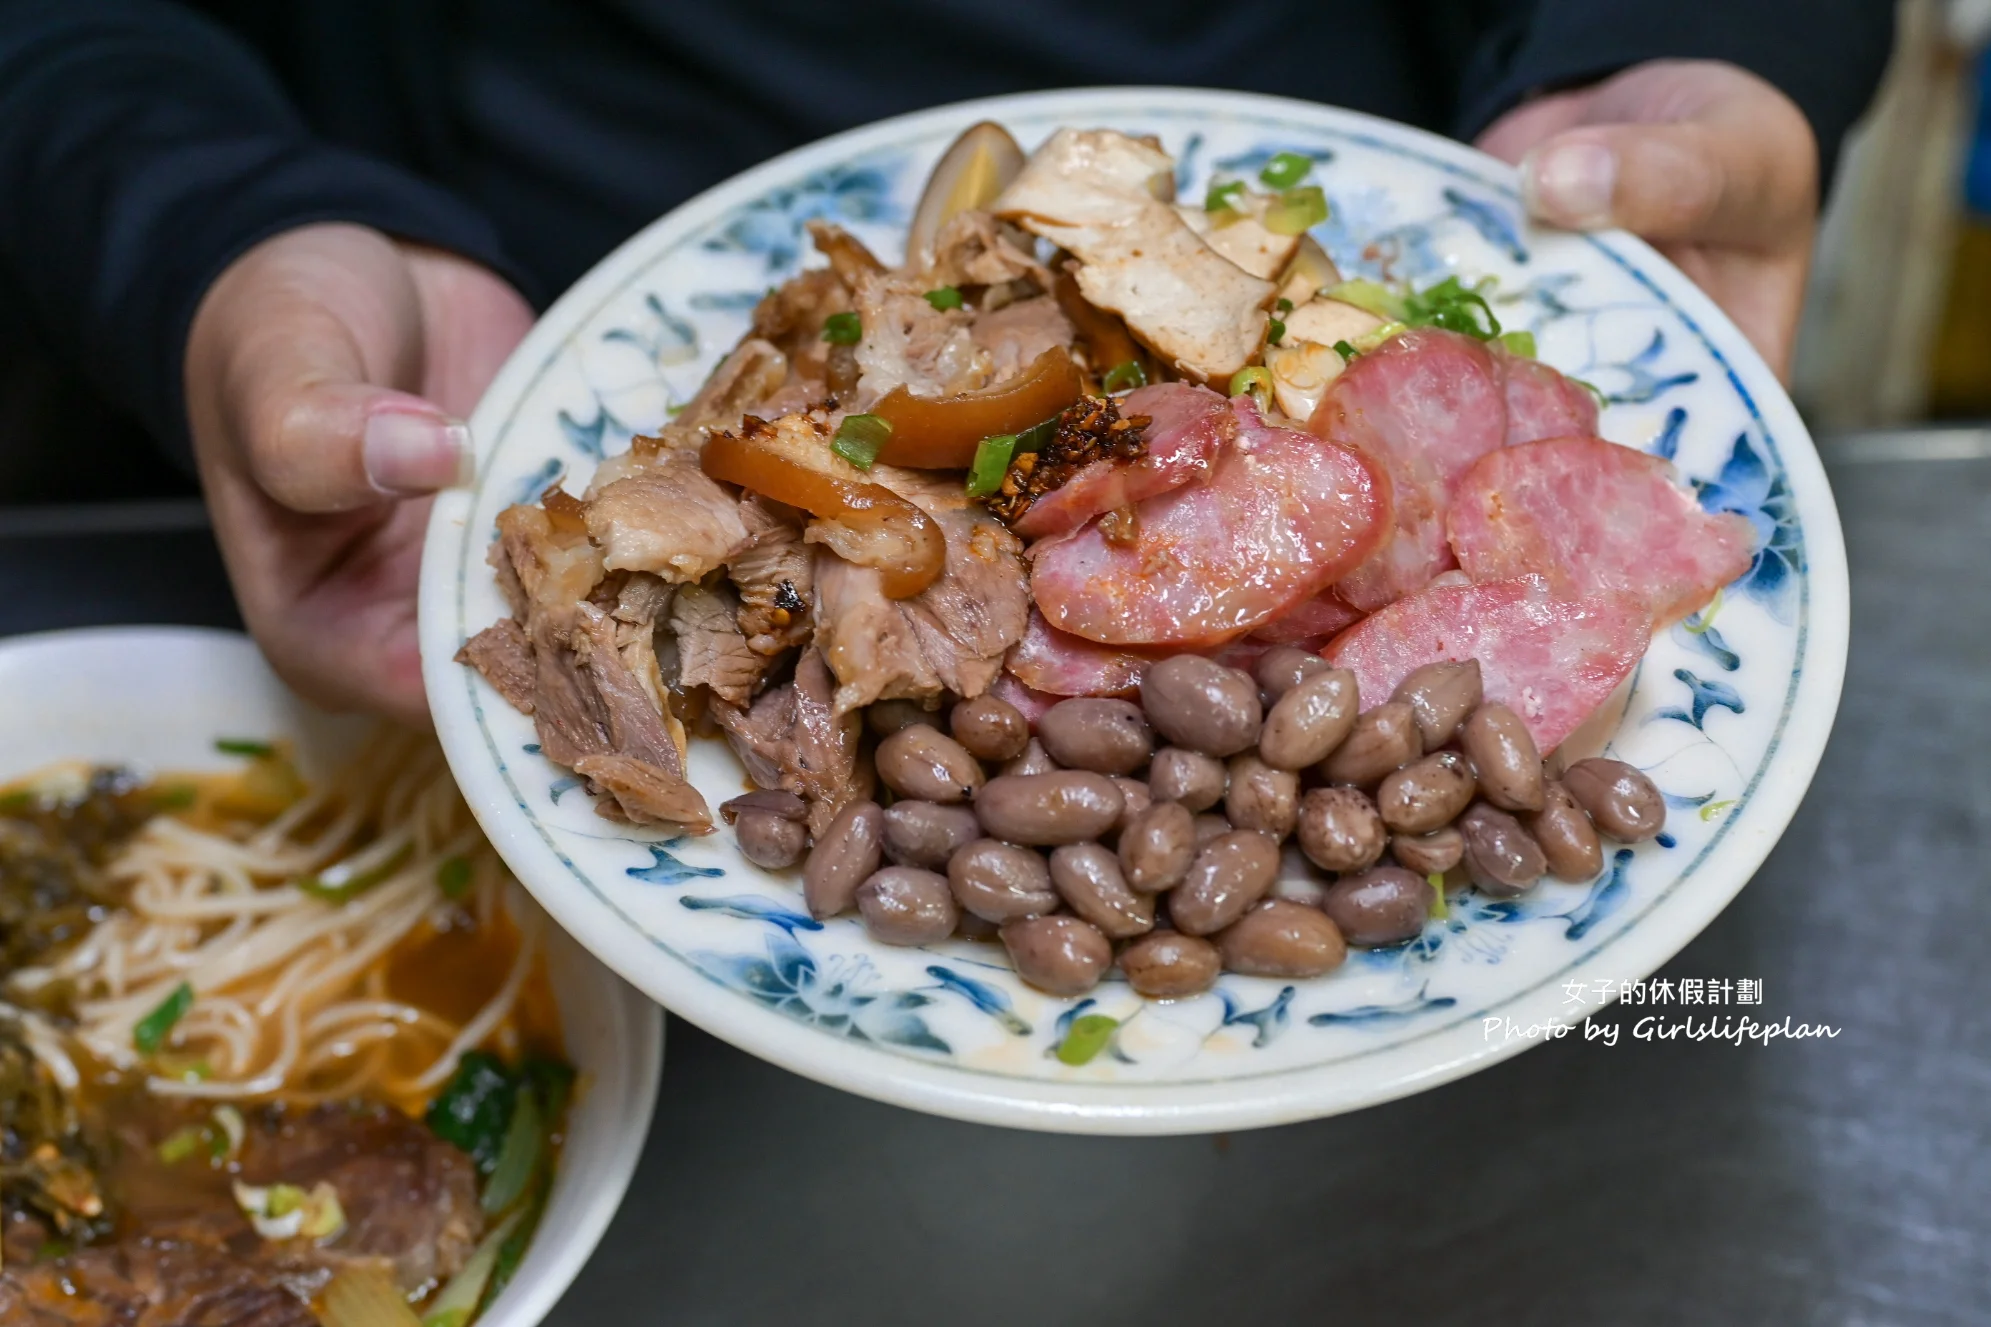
1283, 515
1542, 403
1427, 405
1062, 664
1030, 703
1552, 661
1187, 426
1592, 516
1319, 618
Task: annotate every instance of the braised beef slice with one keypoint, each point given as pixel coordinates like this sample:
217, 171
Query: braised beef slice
149, 1283
503, 655
790, 739
410, 1201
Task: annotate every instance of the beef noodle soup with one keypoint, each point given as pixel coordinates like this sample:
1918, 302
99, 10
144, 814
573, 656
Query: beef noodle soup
268, 1053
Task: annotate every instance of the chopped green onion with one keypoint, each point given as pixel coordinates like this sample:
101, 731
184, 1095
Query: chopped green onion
1037, 436
1223, 197
363, 1296
1371, 295
453, 877
182, 1143
1124, 377
175, 797
342, 881
1346, 351
1284, 305
243, 746
843, 329
233, 1130
1296, 211
1454, 306
1087, 1036
1713, 809
1439, 908
1704, 619
992, 458
947, 297
859, 438
150, 1034
1285, 170
1520, 343
1275, 331
21, 799
457, 1300
51, 1249
518, 1158
1370, 340
1254, 380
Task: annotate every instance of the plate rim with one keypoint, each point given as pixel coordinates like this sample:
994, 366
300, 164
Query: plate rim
1278, 1097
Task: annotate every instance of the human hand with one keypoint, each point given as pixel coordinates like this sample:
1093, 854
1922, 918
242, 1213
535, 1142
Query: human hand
1709, 162
327, 371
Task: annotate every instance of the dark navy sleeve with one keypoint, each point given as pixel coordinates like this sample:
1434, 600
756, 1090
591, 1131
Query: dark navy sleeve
1825, 55
143, 148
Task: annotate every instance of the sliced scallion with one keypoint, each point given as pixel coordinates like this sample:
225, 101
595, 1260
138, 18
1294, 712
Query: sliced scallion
1439, 908
1285, 170
453, 877
343, 881
1296, 211
859, 438
183, 1142
1125, 377
1275, 332
1371, 295
243, 746
1520, 343
150, 1033
1454, 306
1223, 197
1346, 351
843, 329
518, 1158
364, 1296
1284, 305
1254, 380
947, 297
1087, 1036
458, 1299
991, 463
1037, 437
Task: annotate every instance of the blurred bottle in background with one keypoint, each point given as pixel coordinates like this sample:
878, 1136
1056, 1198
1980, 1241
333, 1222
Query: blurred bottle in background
1897, 327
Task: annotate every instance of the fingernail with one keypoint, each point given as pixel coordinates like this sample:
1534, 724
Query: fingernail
1570, 184
416, 451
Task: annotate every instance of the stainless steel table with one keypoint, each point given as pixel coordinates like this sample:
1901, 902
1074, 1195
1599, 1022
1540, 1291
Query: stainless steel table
1845, 1181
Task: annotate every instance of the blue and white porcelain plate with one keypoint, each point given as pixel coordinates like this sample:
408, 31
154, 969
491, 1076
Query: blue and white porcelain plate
1729, 712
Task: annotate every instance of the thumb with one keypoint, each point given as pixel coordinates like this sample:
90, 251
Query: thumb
320, 438
1679, 182
286, 364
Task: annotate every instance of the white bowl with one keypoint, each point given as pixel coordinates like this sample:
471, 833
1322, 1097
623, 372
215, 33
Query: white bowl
1729, 719
157, 698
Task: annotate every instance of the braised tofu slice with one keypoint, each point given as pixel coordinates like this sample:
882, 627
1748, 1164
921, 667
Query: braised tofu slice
1102, 197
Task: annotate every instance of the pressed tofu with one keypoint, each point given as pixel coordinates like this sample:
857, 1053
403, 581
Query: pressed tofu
1325, 321
1100, 196
1240, 235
